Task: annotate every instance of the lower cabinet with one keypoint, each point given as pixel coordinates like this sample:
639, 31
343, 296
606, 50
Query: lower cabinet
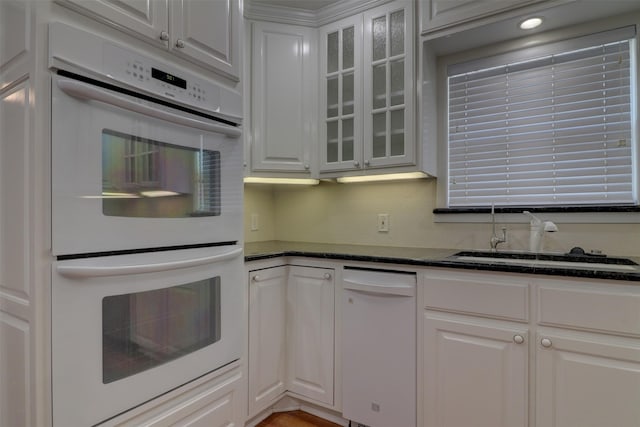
587, 380
475, 372
575, 361
291, 335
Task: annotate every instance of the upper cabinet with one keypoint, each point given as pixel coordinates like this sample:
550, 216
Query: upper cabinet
367, 94
283, 98
204, 32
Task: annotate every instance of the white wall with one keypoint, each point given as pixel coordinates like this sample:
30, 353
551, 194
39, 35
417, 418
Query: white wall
340, 213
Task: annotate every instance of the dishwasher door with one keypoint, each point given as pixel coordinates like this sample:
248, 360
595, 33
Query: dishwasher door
379, 347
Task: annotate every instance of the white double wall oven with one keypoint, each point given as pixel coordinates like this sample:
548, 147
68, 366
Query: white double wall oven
147, 288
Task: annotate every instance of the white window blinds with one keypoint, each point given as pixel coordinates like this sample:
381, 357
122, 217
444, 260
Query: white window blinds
550, 125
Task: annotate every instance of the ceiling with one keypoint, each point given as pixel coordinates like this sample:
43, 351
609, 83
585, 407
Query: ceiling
310, 5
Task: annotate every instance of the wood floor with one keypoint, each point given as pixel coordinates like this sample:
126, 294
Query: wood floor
295, 419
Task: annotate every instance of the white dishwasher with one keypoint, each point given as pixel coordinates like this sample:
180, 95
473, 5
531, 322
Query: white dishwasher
379, 347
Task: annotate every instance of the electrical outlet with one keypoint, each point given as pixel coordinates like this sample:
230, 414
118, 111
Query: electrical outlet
383, 222
255, 226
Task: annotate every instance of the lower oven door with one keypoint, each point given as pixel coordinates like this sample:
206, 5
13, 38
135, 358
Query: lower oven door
128, 328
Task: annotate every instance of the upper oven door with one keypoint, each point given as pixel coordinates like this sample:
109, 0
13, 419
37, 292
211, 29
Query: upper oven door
128, 173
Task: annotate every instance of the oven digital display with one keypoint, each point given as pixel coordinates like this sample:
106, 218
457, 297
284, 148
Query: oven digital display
168, 78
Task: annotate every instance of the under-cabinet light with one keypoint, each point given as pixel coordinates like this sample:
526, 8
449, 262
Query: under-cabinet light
530, 23
159, 193
290, 181
385, 177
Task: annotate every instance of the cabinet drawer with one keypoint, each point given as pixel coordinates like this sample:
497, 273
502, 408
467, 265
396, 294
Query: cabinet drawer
493, 295
614, 308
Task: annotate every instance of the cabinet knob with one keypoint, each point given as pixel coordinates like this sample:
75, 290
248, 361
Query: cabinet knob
356, 164
367, 163
546, 342
518, 339
256, 278
179, 43
164, 36
327, 276
306, 166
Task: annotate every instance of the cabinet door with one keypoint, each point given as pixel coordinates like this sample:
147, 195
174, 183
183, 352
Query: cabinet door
310, 322
147, 18
283, 107
267, 340
208, 33
474, 372
388, 85
341, 95
587, 380
439, 14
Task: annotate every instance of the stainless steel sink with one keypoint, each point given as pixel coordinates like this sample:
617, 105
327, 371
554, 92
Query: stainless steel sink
545, 260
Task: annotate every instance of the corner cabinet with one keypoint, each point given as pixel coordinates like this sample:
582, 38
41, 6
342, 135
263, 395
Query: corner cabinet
283, 94
367, 90
291, 335
206, 33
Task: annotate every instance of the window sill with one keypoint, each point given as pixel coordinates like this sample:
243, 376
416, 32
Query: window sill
557, 214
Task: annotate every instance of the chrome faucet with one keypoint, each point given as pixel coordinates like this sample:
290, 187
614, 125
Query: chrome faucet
495, 239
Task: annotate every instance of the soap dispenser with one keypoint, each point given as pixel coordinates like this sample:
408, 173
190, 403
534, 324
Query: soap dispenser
538, 228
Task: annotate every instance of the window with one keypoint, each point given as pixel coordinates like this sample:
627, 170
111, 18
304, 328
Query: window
544, 126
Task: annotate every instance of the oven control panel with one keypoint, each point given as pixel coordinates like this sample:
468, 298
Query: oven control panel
125, 67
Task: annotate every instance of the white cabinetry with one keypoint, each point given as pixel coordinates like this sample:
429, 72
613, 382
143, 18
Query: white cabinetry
291, 335
369, 124
267, 336
283, 94
440, 14
474, 367
587, 354
310, 323
204, 32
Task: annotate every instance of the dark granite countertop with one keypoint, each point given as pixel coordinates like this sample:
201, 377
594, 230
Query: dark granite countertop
426, 257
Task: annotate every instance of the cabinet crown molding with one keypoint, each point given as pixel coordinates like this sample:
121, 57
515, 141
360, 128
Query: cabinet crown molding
297, 16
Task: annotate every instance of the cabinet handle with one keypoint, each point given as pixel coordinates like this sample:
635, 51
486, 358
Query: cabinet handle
327, 276
367, 163
256, 278
356, 164
179, 43
164, 36
546, 342
518, 339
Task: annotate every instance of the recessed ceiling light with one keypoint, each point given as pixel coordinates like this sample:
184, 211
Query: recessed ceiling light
530, 23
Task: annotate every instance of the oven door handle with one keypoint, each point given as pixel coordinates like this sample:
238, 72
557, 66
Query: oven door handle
89, 271
86, 91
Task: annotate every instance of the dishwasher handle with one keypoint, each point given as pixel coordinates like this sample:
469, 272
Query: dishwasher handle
369, 288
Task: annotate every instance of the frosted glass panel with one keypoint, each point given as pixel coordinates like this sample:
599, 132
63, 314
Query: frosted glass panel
332, 142
347, 94
380, 135
380, 38
332, 97
347, 47
347, 139
397, 133
397, 33
332, 52
379, 86
397, 82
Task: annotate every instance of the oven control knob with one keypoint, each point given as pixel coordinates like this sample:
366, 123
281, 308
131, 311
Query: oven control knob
179, 43
164, 36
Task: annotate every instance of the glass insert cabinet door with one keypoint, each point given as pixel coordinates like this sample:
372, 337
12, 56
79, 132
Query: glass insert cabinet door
388, 85
341, 129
